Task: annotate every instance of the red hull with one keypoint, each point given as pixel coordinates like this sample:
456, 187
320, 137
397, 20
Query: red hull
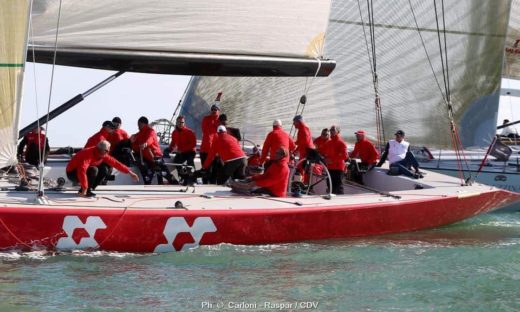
149, 230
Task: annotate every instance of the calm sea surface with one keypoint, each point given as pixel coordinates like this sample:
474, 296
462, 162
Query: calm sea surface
470, 266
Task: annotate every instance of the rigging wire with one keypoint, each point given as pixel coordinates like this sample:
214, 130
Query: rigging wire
372, 59
40, 182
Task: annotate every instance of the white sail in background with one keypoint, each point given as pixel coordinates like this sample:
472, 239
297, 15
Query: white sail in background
410, 97
157, 35
14, 17
512, 47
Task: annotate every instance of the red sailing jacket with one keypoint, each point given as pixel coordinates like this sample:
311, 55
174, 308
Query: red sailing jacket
319, 142
184, 139
254, 160
275, 178
226, 146
88, 157
101, 135
366, 151
35, 138
336, 153
210, 124
117, 136
147, 135
274, 140
303, 139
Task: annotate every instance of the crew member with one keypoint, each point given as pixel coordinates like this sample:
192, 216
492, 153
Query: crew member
335, 157
303, 138
117, 135
85, 167
320, 141
234, 158
273, 182
366, 152
183, 141
401, 159
276, 139
233, 131
35, 143
146, 144
209, 132
104, 134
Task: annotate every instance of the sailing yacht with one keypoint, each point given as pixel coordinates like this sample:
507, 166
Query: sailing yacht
236, 38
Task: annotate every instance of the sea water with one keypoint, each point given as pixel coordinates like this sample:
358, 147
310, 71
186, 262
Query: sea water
473, 265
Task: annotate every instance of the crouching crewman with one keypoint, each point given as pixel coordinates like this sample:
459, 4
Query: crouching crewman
84, 168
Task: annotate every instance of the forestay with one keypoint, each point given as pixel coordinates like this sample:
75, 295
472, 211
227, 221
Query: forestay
410, 96
14, 17
206, 37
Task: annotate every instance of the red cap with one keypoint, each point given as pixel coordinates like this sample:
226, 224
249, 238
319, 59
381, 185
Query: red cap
362, 132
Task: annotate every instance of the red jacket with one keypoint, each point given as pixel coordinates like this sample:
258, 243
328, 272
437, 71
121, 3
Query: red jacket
366, 151
319, 142
254, 160
88, 157
336, 153
303, 139
210, 124
117, 136
184, 139
275, 178
226, 146
274, 140
147, 135
101, 135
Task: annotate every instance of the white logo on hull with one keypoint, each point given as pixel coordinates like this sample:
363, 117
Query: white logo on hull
176, 225
71, 223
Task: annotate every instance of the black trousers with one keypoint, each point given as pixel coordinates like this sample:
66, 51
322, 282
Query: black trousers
188, 158
32, 155
149, 168
214, 171
336, 177
94, 175
235, 169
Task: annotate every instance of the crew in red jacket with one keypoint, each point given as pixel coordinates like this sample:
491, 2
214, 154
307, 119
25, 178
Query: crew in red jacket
104, 134
117, 135
183, 141
35, 144
335, 157
276, 139
209, 132
146, 144
320, 141
365, 150
85, 167
234, 158
273, 182
303, 138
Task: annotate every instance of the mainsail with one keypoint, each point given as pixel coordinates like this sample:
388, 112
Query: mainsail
512, 47
14, 17
204, 37
408, 84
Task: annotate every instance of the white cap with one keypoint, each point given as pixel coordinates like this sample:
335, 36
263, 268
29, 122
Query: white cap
221, 128
277, 122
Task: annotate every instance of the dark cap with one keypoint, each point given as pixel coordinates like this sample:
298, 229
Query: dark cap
109, 124
116, 120
143, 120
222, 117
298, 118
400, 132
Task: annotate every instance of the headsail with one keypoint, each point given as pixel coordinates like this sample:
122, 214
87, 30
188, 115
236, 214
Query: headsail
14, 17
204, 37
410, 97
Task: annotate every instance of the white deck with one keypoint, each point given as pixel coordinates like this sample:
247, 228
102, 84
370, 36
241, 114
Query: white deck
206, 197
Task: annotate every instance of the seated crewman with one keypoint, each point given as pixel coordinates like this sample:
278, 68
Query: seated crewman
273, 182
401, 159
85, 167
36, 145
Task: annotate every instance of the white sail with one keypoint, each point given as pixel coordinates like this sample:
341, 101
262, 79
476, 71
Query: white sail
167, 36
14, 17
512, 47
410, 97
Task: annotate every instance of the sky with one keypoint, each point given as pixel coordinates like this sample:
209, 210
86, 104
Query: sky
130, 96
509, 107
